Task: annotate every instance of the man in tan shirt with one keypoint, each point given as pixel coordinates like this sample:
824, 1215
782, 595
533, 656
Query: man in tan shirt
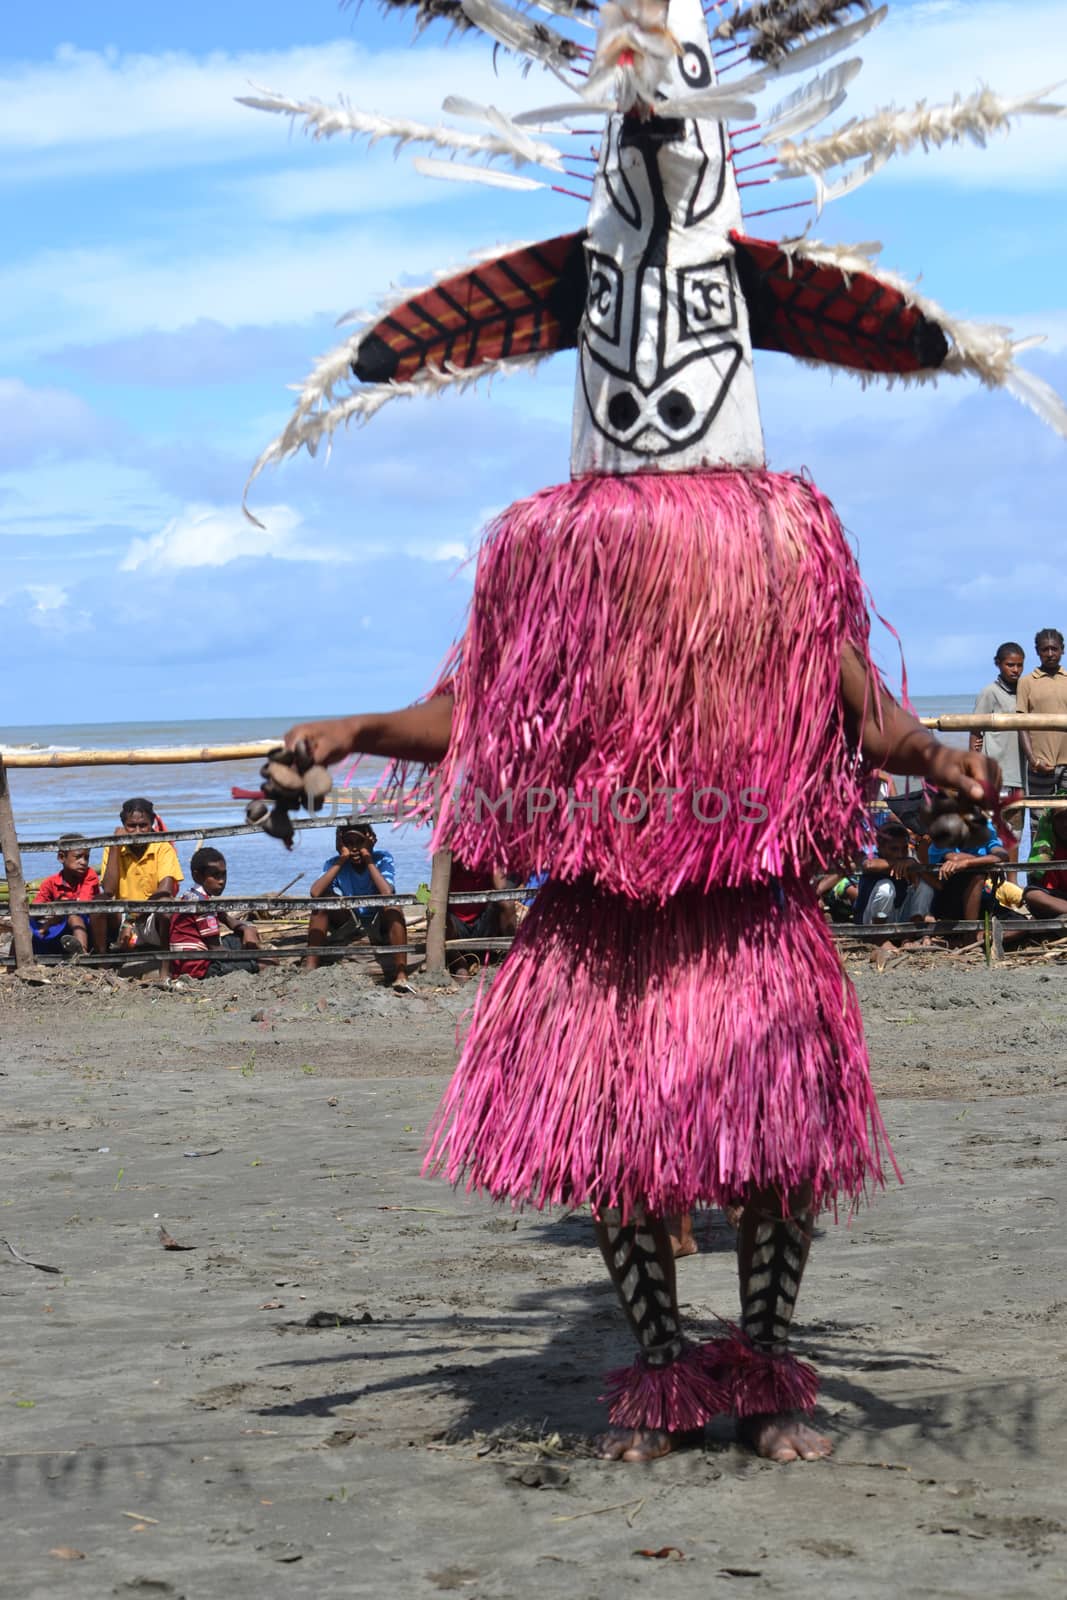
1045, 690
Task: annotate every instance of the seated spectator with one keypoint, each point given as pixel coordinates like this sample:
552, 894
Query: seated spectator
838, 890
358, 869
478, 919
1048, 898
200, 928
878, 788
893, 886
962, 896
74, 883
1046, 846
145, 870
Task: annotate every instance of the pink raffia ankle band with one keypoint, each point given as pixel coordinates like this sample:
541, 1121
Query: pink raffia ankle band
759, 1382
724, 1377
676, 1396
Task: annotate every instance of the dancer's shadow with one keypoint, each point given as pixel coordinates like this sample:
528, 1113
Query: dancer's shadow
560, 1342
532, 1387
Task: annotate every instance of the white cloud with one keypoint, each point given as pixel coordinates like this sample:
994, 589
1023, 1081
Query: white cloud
37, 421
56, 297
87, 496
448, 550
51, 612
371, 182
932, 51
86, 107
1026, 580
213, 536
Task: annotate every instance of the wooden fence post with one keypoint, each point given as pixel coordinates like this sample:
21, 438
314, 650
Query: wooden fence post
18, 906
437, 914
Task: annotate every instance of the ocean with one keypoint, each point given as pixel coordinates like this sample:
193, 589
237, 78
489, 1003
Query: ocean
51, 801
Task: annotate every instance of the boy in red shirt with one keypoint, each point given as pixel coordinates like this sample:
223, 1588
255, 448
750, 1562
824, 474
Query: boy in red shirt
74, 882
200, 929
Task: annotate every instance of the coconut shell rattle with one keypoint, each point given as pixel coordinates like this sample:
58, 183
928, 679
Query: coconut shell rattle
291, 780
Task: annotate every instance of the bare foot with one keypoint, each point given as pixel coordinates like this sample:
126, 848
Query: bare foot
641, 1444
782, 1437
680, 1231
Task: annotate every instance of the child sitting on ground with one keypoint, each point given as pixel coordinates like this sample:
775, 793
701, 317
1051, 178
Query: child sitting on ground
200, 928
356, 870
893, 885
1049, 897
75, 882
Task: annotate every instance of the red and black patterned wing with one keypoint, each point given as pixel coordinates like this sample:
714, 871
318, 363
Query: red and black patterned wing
819, 312
526, 302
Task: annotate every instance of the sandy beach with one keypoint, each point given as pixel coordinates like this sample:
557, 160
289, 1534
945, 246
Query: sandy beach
354, 1381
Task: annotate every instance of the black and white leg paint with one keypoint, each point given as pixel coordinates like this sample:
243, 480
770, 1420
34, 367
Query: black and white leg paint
668, 1391
771, 1254
765, 1381
641, 1263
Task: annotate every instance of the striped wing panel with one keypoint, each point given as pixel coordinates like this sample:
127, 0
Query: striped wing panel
530, 300
807, 309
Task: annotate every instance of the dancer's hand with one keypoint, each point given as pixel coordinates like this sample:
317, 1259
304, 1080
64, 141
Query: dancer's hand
965, 772
329, 741
418, 733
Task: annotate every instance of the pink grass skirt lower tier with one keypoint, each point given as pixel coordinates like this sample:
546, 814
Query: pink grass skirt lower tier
648, 690
664, 1056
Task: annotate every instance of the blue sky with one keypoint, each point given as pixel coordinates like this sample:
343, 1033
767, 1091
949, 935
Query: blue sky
172, 261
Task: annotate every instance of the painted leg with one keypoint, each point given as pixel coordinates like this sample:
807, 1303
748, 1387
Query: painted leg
772, 1386
666, 1396
680, 1228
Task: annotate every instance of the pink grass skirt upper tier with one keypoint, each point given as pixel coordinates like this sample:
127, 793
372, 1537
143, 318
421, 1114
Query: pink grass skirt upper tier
648, 689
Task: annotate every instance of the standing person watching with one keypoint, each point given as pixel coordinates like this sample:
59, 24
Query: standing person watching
1043, 691
147, 869
998, 698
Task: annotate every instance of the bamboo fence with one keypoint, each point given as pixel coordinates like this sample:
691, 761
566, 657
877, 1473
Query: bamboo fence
437, 945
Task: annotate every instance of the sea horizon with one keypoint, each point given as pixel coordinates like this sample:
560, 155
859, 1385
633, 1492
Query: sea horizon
49, 801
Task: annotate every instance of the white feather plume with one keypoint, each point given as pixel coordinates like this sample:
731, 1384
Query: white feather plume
808, 105
323, 122
985, 350
534, 40
852, 180
826, 45
723, 103
460, 172
562, 8
892, 132
456, 106
306, 429
565, 113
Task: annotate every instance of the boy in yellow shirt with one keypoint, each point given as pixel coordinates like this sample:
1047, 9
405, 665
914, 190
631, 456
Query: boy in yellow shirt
147, 869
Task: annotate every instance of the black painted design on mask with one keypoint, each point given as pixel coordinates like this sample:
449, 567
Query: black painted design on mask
691, 312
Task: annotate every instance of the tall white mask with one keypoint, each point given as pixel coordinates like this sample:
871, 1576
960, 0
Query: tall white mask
665, 380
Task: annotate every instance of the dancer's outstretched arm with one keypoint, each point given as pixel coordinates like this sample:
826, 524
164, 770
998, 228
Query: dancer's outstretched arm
890, 737
418, 733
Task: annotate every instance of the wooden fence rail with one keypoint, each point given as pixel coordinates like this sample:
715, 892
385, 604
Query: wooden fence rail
436, 943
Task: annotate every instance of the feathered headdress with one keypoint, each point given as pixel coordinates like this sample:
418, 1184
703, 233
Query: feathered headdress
648, 71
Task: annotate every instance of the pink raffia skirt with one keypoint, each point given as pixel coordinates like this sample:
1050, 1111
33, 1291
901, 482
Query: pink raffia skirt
648, 710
